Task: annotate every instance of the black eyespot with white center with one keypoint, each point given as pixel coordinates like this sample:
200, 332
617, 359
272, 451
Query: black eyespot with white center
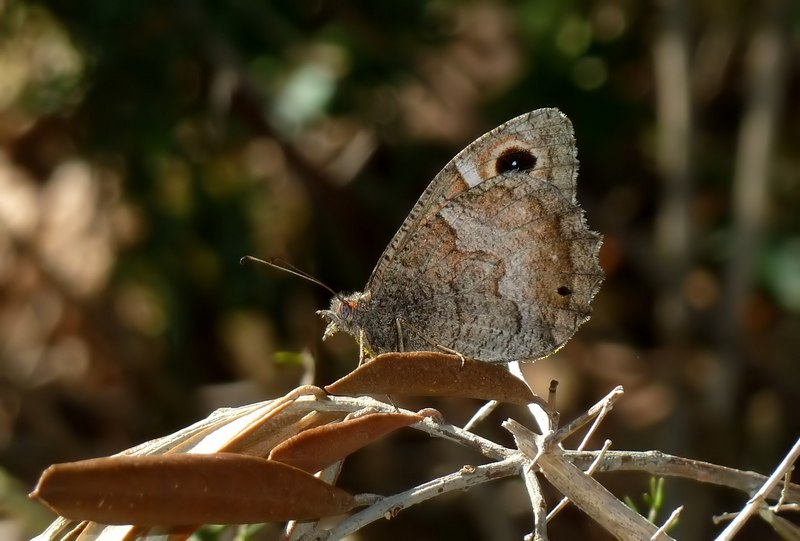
515, 159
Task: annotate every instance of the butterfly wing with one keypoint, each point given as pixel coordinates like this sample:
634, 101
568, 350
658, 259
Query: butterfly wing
495, 259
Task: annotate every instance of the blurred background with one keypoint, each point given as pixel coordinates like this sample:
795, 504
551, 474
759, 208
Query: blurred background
146, 146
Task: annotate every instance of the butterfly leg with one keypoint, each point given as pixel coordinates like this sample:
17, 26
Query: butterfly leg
400, 322
363, 349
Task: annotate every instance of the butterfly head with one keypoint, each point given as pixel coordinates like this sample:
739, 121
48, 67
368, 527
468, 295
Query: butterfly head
342, 314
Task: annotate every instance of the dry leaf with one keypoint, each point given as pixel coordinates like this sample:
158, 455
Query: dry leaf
185, 489
426, 373
318, 448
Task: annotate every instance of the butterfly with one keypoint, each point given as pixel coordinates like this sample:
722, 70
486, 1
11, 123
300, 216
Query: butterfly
494, 262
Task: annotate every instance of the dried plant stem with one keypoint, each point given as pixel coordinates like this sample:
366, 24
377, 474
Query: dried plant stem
295, 530
758, 499
602, 407
482, 413
538, 503
787, 479
538, 410
587, 494
672, 519
660, 464
590, 471
389, 507
251, 425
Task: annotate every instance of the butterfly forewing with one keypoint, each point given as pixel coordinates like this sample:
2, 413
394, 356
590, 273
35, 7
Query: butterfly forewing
546, 130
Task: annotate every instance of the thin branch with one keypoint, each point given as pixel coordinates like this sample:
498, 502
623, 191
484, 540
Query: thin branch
564, 501
389, 507
595, 425
538, 503
443, 430
673, 518
538, 409
759, 498
787, 479
660, 464
481, 414
254, 422
586, 493
605, 404
294, 530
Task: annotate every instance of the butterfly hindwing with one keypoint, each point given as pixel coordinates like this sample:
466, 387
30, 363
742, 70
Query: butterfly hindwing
495, 260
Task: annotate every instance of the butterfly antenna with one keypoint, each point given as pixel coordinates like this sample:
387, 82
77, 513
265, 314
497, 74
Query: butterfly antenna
280, 264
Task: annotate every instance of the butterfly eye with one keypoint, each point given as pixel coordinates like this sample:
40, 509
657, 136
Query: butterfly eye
515, 159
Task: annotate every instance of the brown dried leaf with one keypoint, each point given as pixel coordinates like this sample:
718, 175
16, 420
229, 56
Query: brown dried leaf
261, 439
255, 432
185, 489
318, 448
429, 373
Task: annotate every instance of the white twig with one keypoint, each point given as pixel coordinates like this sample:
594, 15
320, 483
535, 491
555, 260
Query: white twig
588, 495
723, 517
541, 416
590, 471
481, 414
658, 464
786, 481
673, 518
468, 439
257, 425
538, 503
390, 506
295, 530
595, 425
606, 403
758, 499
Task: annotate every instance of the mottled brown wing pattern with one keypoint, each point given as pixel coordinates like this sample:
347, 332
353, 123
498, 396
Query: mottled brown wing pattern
495, 260
547, 129
501, 274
